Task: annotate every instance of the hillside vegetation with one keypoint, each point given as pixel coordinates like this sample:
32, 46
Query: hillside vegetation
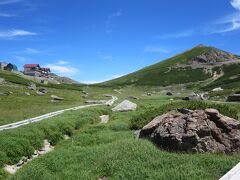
111, 151
182, 68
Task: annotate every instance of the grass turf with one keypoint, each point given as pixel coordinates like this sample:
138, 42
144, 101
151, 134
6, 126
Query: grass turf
112, 151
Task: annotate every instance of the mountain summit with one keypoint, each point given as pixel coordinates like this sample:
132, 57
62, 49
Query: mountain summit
197, 64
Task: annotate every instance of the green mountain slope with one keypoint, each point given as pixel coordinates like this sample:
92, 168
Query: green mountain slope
190, 66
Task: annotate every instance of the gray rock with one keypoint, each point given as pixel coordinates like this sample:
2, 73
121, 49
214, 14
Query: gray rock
5, 93
125, 106
56, 98
169, 94
84, 92
32, 86
40, 93
217, 89
43, 90
132, 97
104, 118
194, 131
27, 93
2, 81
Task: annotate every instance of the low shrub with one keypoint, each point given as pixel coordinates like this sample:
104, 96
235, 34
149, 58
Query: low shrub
145, 116
22, 141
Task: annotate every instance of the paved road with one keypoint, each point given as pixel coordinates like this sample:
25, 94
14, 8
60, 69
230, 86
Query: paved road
52, 114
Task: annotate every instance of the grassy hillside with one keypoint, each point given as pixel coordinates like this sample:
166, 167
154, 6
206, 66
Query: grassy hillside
166, 73
111, 151
16, 79
230, 79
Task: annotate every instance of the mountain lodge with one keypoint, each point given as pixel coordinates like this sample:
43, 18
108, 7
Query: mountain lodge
36, 70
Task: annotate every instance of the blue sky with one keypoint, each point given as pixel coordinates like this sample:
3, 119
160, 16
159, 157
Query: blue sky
97, 40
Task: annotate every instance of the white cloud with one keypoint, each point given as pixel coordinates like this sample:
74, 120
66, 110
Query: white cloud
6, 15
183, 34
229, 23
63, 70
118, 76
4, 2
111, 18
9, 34
104, 56
62, 62
236, 4
155, 49
32, 51
103, 80
20, 58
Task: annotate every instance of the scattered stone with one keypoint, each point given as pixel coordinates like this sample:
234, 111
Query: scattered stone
107, 95
193, 96
84, 96
27, 93
84, 92
103, 178
40, 93
186, 98
132, 97
2, 81
32, 86
56, 98
47, 147
194, 131
169, 94
125, 106
234, 98
66, 137
104, 118
5, 93
43, 90
217, 89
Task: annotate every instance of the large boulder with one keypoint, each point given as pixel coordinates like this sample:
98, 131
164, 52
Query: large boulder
125, 106
194, 131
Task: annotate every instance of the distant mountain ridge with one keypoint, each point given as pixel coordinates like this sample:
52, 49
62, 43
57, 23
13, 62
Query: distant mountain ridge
197, 64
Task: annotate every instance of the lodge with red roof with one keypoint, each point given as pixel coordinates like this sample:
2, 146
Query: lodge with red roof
36, 70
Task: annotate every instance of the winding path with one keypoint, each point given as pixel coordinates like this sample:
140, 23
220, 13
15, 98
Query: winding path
52, 114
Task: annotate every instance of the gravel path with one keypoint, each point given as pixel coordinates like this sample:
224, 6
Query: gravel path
52, 114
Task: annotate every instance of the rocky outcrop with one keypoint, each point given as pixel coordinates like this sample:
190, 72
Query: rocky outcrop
194, 131
213, 56
125, 106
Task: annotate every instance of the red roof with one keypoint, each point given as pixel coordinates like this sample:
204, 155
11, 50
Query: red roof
31, 65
